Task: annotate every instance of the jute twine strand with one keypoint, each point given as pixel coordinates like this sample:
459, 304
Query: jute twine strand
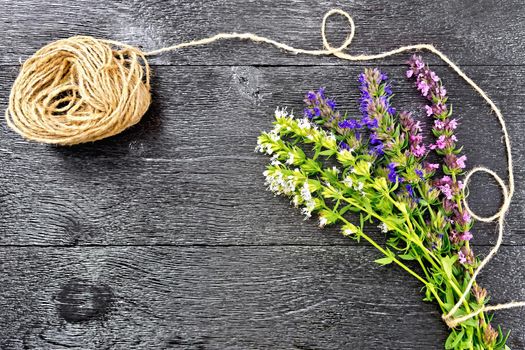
84, 89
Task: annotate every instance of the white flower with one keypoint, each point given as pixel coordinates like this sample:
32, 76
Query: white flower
382, 226
336, 170
304, 123
275, 160
290, 159
274, 136
289, 187
307, 213
348, 181
305, 192
328, 140
322, 221
347, 231
275, 181
309, 207
360, 186
296, 201
279, 113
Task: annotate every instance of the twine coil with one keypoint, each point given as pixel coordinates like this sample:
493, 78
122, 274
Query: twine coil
79, 89
83, 89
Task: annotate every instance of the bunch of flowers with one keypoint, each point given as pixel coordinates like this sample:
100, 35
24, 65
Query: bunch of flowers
376, 166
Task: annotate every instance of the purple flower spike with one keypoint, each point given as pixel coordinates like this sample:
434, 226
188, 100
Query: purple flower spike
466, 236
462, 258
410, 191
349, 124
308, 113
460, 162
392, 175
430, 86
344, 146
311, 96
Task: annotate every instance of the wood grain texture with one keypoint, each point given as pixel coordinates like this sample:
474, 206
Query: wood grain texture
224, 298
472, 32
176, 243
187, 174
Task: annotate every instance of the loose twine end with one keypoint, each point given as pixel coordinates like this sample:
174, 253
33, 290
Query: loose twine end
84, 89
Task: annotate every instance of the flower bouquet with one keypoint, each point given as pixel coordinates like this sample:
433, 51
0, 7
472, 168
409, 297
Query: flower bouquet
378, 167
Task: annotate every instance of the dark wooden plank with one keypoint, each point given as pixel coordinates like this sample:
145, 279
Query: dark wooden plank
187, 174
226, 298
481, 32
236, 267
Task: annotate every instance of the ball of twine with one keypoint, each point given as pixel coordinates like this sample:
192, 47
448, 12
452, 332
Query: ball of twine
79, 89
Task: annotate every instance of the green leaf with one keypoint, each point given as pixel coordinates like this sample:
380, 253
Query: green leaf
454, 339
407, 256
450, 339
362, 168
447, 262
471, 322
428, 294
384, 261
504, 339
449, 295
327, 152
311, 166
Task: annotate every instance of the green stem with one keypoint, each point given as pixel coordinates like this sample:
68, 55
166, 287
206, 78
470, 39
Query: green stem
423, 267
378, 247
406, 268
454, 283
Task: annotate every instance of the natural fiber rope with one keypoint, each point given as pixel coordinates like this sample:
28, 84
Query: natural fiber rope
84, 89
78, 90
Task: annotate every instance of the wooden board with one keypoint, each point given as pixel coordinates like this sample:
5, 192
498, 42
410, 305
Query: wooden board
472, 32
296, 297
164, 236
187, 173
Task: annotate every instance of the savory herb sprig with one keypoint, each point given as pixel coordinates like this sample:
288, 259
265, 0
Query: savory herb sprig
330, 164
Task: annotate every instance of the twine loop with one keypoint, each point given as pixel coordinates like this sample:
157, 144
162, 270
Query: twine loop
504, 190
79, 89
349, 38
